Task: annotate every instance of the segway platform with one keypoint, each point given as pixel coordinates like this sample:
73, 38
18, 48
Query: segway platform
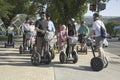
22, 50
9, 45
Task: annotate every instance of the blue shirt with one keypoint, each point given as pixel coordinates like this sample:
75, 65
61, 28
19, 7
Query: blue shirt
51, 26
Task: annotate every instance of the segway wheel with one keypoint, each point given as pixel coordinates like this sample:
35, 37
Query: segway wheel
62, 57
77, 48
21, 50
105, 62
75, 56
48, 57
52, 53
85, 50
5, 45
97, 64
31, 51
35, 59
13, 44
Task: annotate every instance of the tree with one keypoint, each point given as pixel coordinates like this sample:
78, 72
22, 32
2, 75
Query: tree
4, 8
110, 26
66, 9
14, 7
60, 10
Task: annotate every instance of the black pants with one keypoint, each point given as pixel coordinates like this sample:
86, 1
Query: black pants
10, 38
23, 38
67, 49
81, 38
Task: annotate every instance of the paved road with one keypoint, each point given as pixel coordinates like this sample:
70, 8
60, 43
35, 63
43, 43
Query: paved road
114, 47
14, 66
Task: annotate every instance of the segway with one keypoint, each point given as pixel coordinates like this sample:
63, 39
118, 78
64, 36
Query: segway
37, 57
72, 54
97, 63
84, 50
25, 48
79, 48
10, 42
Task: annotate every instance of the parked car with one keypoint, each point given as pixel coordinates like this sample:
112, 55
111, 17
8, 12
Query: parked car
105, 43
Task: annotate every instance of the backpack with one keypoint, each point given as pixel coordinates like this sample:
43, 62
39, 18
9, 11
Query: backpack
103, 32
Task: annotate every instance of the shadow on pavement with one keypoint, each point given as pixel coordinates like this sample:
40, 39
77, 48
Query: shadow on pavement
59, 65
24, 63
13, 54
85, 68
115, 57
114, 62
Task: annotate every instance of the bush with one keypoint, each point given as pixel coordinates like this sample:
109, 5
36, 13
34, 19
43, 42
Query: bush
110, 27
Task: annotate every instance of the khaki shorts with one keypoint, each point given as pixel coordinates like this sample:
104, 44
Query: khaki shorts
40, 43
99, 41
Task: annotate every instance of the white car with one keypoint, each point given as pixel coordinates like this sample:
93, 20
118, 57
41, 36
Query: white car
105, 43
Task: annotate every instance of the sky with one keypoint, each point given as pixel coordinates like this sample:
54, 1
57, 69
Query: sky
112, 9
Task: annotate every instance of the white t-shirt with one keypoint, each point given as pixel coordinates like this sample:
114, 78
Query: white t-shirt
10, 30
25, 27
96, 27
32, 28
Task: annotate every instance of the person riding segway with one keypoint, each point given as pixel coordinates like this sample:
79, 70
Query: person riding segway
98, 62
82, 32
10, 34
28, 36
70, 54
41, 52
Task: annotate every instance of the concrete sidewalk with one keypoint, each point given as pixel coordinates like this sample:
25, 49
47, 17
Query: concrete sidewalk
15, 66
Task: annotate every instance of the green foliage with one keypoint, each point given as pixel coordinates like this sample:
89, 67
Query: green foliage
110, 25
62, 10
96, 1
5, 7
13, 7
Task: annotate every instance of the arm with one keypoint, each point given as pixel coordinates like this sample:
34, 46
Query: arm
75, 30
67, 30
39, 30
87, 30
79, 31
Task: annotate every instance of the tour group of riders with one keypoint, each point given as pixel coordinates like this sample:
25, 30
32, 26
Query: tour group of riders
33, 33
